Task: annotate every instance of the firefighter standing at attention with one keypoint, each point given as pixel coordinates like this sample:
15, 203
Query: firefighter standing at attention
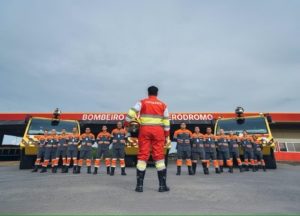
210, 150
41, 145
50, 152
223, 151
198, 152
183, 137
61, 150
234, 149
259, 162
103, 141
72, 150
118, 136
247, 144
86, 140
153, 116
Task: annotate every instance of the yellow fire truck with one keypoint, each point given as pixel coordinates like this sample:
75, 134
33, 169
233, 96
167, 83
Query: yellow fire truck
36, 127
254, 125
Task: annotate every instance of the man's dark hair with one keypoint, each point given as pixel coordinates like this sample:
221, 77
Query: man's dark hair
152, 90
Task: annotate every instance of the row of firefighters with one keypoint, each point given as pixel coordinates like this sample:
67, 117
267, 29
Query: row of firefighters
221, 149
67, 146
191, 147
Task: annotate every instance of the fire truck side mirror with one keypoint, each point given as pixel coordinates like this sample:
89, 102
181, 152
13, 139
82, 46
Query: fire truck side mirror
27, 117
269, 118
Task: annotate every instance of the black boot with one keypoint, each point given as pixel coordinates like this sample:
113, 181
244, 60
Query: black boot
241, 168
205, 169
112, 171
54, 169
264, 168
89, 170
247, 168
139, 180
74, 169
194, 165
190, 170
66, 169
63, 169
231, 169
44, 169
217, 170
95, 171
178, 170
35, 169
108, 170
162, 178
253, 168
123, 171
78, 169
221, 169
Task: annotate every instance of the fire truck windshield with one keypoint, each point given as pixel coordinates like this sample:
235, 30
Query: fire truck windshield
37, 126
251, 125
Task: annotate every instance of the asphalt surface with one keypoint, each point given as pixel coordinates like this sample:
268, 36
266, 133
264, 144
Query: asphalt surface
276, 191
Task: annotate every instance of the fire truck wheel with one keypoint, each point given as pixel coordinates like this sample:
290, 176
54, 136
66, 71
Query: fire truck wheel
26, 161
270, 160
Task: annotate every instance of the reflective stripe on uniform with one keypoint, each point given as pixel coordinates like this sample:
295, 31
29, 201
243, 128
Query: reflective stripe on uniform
152, 116
160, 165
151, 121
122, 163
131, 113
166, 123
141, 165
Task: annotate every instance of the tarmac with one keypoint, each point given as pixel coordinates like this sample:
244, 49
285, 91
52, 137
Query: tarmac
272, 192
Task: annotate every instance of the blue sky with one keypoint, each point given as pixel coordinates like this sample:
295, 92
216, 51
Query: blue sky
100, 56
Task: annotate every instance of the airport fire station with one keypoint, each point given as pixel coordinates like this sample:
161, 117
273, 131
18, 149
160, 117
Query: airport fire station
285, 127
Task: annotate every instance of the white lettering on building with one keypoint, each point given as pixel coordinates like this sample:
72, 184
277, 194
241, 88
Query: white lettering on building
191, 117
121, 117
103, 117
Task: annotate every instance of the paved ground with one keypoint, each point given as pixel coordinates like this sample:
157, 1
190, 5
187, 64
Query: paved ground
276, 191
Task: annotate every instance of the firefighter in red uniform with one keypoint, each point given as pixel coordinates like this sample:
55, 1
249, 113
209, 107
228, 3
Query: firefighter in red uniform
183, 137
154, 131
